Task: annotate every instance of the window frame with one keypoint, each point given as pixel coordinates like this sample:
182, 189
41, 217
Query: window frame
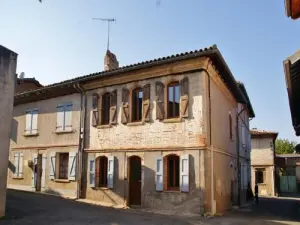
175, 173
60, 164
260, 170
105, 109
136, 116
173, 84
101, 171
31, 131
65, 128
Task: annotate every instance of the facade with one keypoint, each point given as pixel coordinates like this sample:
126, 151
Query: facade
263, 161
159, 134
8, 65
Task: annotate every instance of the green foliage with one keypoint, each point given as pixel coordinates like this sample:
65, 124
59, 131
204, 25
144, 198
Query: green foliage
284, 146
297, 148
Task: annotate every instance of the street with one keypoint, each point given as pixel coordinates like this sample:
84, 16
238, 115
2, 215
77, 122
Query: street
29, 208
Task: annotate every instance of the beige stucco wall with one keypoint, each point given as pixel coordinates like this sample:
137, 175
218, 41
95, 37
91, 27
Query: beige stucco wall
8, 63
267, 188
262, 152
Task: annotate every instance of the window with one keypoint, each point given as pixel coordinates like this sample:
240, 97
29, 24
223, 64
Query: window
105, 109
173, 100
259, 176
101, 171
230, 126
172, 166
137, 104
18, 164
64, 117
31, 121
63, 165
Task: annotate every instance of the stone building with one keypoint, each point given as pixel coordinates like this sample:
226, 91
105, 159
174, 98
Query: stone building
263, 161
8, 65
159, 134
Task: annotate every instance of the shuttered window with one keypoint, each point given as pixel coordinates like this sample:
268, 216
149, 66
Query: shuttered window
105, 108
137, 104
259, 176
63, 165
31, 121
171, 163
64, 117
18, 164
173, 100
101, 171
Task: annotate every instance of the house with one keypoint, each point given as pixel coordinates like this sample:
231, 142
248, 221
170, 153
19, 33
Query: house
292, 77
158, 134
8, 65
26, 84
263, 161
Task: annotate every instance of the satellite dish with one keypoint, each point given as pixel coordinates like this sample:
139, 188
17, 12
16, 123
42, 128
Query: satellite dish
22, 75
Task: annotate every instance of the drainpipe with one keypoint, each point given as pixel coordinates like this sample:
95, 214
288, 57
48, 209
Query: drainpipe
79, 88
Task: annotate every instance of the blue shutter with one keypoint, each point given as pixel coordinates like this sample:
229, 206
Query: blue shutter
68, 116
72, 166
60, 118
159, 174
52, 165
184, 173
110, 172
92, 168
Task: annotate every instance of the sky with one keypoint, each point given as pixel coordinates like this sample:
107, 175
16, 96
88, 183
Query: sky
58, 40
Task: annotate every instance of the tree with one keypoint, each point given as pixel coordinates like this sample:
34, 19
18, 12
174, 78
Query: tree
284, 146
297, 148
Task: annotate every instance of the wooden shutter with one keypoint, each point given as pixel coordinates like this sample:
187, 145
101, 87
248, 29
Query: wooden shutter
28, 122
184, 173
72, 166
159, 174
34, 175
34, 124
113, 108
21, 164
16, 163
125, 106
110, 172
68, 116
92, 168
160, 107
95, 112
52, 165
184, 99
44, 161
146, 103
60, 118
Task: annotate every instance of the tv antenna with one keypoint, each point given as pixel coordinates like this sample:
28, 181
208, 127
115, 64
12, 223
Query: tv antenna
108, 20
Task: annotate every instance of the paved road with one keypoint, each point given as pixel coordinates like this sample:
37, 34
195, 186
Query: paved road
29, 208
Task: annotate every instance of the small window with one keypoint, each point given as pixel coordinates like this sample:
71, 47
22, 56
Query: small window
105, 108
31, 121
173, 100
137, 104
101, 171
230, 127
64, 117
259, 176
172, 164
63, 165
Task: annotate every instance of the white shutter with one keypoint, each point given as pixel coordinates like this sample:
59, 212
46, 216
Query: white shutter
184, 173
159, 174
72, 166
44, 160
60, 118
52, 165
28, 122
34, 122
92, 169
21, 160
16, 164
68, 117
110, 172
34, 175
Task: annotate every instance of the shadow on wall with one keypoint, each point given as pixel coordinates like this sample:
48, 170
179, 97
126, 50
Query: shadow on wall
52, 192
11, 167
14, 130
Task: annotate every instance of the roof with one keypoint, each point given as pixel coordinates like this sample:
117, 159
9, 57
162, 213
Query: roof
212, 52
287, 155
29, 80
264, 133
249, 105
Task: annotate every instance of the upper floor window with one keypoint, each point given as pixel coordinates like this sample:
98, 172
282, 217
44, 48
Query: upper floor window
64, 117
18, 164
137, 104
173, 100
105, 104
31, 121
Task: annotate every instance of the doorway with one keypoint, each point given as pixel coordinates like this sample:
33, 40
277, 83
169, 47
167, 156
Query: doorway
135, 181
38, 170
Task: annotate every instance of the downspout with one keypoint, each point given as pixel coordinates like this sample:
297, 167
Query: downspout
79, 88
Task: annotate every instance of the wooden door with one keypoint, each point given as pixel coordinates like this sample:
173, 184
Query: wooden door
135, 180
39, 172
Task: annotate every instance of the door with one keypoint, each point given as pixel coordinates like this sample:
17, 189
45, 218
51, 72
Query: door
135, 181
38, 171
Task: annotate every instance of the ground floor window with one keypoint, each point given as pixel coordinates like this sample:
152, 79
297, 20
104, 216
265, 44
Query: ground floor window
172, 172
63, 165
260, 175
101, 171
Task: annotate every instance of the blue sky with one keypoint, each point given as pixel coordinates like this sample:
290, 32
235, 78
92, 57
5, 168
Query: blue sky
58, 40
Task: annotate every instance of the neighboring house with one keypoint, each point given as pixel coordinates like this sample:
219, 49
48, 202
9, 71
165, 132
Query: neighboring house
158, 134
292, 77
26, 84
263, 161
8, 65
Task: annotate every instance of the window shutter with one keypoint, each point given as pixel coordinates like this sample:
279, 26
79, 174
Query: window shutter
28, 122
52, 165
92, 168
72, 166
16, 159
60, 118
160, 107
184, 100
68, 117
110, 172
95, 113
159, 174
125, 106
146, 103
34, 125
33, 179
184, 173
44, 161
21, 158
113, 108
243, 135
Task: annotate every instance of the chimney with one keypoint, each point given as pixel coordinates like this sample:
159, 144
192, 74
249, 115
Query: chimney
110, 61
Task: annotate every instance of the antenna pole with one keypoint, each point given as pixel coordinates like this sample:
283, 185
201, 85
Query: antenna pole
108, 27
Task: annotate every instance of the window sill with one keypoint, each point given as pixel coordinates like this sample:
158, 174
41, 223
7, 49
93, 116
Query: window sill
172, 191
262, 184
139, 123
30, 135
64, 131
100, 188
18, 178
104, 126
61, 180
172, 120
